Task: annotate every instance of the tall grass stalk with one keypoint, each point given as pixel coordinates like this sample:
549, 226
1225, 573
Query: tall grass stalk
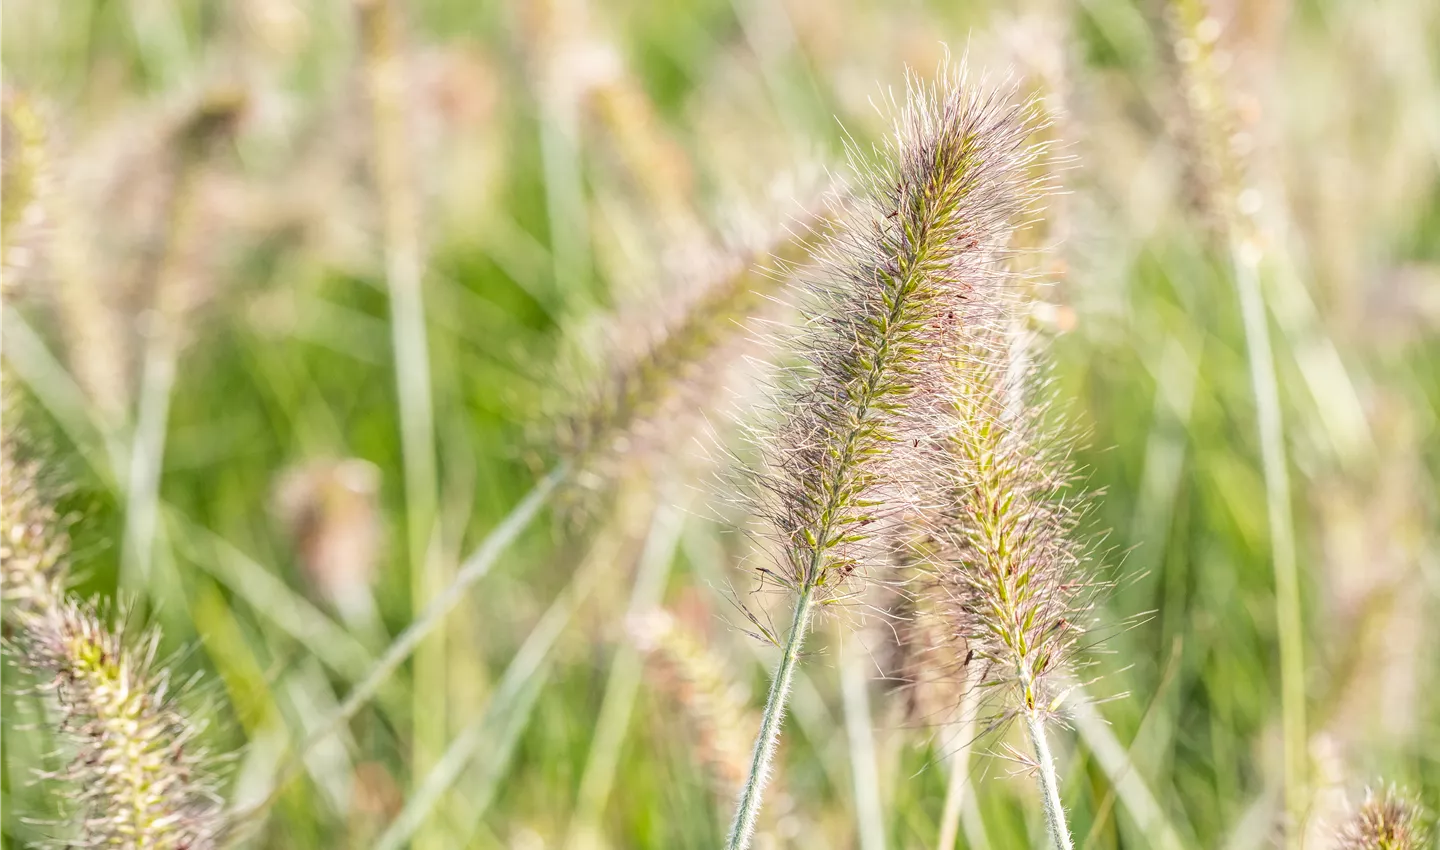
1235, 202
623, 685
747, 811
1008, 561
401, 213
496, 731
914, 256
211, 121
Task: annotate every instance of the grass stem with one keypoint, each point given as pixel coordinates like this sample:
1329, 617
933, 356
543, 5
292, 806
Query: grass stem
404, 275
1282, 532
1049, 782
476, 567
748, 809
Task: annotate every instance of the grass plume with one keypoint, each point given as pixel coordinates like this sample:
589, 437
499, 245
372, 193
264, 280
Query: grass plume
138, 777
1009, 564
656, 378
1387, 820
915, 254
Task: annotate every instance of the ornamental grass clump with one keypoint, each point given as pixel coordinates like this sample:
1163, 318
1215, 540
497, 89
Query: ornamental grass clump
916, 253
138, 777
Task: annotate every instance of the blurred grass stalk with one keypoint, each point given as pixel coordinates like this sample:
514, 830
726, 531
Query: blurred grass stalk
497, 730
475, 567
623, 684
400, 204
1237, 203
860, 732
211, 120
1128, 785
962, 738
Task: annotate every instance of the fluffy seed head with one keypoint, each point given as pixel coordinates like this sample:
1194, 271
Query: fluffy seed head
918, 253
1008, 563
33, 538
671, 368
139, 777
1387, 820
705, 691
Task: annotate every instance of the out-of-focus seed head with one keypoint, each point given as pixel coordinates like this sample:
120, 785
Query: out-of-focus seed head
1387, 820
655, 376
330, 509
34, 542
714, 704
23, 175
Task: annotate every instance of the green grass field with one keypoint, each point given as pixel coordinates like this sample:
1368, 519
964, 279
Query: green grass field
296, 292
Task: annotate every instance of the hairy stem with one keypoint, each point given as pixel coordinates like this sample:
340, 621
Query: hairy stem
1049, 783
748, 808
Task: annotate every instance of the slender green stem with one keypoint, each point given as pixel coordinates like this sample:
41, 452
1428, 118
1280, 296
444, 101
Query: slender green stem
476, 567
748, 809
499, 724
404, 274
1049, 782
1282, 533
626, 672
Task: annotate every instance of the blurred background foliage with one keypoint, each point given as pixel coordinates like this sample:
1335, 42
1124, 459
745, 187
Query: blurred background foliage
195, 239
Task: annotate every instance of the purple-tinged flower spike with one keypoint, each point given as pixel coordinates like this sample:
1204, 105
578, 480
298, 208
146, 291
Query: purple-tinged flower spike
1387, 820
1008, 564
917, 252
